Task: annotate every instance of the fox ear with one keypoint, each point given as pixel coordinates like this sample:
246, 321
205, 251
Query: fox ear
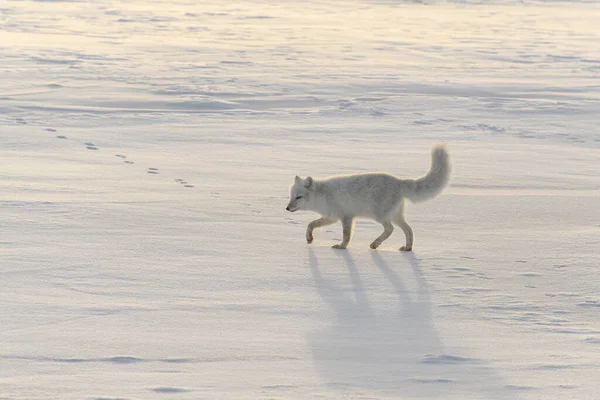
308, 183
297, 179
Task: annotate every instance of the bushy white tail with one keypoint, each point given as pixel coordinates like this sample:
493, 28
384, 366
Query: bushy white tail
435, 181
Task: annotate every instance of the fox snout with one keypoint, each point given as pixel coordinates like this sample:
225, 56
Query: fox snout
291, 207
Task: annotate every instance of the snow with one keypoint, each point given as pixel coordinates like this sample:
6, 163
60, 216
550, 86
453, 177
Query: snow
147, 149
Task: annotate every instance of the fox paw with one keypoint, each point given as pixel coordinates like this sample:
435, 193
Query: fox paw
339, 246
374, 245
406, 248
309, 238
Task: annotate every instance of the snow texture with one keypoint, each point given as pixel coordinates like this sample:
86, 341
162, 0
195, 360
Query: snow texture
146, 154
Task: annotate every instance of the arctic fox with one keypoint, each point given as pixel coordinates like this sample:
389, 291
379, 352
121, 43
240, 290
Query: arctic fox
378, 196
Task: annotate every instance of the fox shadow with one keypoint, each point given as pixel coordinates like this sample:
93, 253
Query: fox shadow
388, 342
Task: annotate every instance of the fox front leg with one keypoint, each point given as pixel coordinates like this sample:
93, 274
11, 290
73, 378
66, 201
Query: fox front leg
347, 226
317, 223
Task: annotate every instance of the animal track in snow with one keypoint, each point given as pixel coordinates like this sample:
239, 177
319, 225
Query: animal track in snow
184, 183
125, 159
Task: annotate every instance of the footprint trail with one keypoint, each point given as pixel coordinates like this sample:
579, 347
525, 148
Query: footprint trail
90, 145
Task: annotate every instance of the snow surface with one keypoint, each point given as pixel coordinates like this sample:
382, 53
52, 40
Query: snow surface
147, 148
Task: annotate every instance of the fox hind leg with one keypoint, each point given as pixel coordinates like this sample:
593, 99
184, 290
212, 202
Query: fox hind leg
317, 223
401, 222
388, 228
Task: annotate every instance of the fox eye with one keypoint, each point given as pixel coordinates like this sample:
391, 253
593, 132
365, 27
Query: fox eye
298, 197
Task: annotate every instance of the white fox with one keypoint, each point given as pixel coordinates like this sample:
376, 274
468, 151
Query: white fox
378, 196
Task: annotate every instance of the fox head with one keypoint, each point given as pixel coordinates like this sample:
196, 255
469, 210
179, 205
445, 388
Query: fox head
301, 194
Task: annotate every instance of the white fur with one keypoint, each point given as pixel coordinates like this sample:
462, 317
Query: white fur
378, 196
